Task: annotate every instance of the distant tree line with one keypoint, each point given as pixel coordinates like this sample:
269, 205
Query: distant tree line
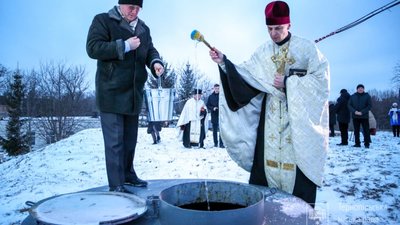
49, 101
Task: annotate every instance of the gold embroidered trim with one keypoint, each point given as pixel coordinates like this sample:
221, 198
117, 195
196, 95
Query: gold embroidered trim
284, 166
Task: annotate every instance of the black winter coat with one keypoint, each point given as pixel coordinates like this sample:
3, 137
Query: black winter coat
212, 102
341, 108
120, 76
332, 114
360, 102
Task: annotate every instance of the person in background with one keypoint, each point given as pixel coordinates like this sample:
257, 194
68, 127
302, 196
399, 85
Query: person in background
394, 114
332, 119
192, 121
213, 107
122, 45
372, 123
274, 114
359, 105
154, 128
343, 116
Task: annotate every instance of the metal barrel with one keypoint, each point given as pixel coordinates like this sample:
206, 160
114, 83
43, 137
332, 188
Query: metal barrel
250, 198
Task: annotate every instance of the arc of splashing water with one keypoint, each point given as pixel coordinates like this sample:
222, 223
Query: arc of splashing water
207, 193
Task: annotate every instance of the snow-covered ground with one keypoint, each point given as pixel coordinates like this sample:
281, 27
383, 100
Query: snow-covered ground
361, 185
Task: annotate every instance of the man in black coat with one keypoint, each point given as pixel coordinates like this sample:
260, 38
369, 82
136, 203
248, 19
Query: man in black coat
359, 106
122, 45
343, 116
212, 106
332, 119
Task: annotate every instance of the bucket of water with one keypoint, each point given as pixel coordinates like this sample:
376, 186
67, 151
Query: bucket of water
160, 103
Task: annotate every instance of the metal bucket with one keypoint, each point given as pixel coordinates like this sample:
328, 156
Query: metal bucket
160, 103
193, 203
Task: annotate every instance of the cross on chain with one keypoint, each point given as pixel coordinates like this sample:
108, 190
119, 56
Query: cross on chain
280, 60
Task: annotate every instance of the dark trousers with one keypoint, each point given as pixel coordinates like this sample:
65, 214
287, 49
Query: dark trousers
396, 130
155, 134
186, 135
344, 132
120, 136
331, 130
215, 127
365, 126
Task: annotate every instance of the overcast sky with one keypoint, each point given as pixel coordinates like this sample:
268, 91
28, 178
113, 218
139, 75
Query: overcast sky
42, 30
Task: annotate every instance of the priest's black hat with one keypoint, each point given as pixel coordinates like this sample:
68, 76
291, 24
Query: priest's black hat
197, 91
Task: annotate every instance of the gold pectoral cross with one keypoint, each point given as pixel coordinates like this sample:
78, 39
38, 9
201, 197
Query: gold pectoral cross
280, 59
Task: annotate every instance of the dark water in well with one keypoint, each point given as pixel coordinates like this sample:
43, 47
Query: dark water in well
214, 206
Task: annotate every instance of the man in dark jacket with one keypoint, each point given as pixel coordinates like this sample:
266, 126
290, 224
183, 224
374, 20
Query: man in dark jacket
122, 45
343, 116
212, 106
332, 119
359, 106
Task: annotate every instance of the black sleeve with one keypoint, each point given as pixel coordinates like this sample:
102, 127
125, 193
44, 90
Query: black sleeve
208, 104
237, 92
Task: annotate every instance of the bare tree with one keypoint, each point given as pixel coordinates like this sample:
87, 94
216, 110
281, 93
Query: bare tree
396, 76
381, 103
60, 91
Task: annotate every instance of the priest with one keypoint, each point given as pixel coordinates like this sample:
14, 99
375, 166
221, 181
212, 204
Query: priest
274, 109
192, 121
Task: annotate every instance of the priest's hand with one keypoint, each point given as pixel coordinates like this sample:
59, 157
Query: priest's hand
279, 81
216, 56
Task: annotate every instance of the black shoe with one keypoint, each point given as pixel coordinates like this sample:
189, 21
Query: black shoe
136, 182
222, 146
357, 145
366, 146
340, 144
120, 189
215, 145
154, 143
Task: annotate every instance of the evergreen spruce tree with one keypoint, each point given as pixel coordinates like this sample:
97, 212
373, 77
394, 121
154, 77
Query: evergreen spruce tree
16, 142
186, 84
